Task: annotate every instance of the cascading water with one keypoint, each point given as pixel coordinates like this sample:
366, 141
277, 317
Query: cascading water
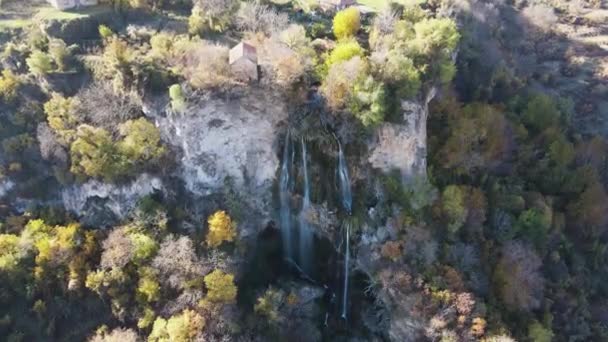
284, 196
347, 201
306, 235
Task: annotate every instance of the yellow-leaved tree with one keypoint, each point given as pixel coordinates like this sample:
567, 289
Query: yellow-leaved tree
221, 228
346, 23
220, 287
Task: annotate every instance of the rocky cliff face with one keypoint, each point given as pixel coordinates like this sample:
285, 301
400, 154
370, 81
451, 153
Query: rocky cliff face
213, 140
99, 202
217, 139
403, 146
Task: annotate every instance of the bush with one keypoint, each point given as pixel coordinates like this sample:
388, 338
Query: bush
9, 85
140, 142
221, 228
453, 206
203, 65
94, 154
368, 101
337, 87
61, 53
105, 32
220, 287
39, 63
63, 116
178, 100
346, 23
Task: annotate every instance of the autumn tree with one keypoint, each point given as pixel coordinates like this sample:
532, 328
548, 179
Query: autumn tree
346, 23
221, 229
182, 327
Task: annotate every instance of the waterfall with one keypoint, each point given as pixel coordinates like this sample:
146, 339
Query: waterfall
306, 236
284, 196
347, 201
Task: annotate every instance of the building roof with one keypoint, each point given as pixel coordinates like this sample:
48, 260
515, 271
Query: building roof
243, 50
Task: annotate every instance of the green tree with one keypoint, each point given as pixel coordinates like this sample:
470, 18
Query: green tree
60, 53
182, 327
541, 112
94, 154
400, 71
220, 287
62, 116
344, 51
140, 141
368, 101
105, 32
39, 63
538, 333
453, 206
346, 23
178, 100
9, 85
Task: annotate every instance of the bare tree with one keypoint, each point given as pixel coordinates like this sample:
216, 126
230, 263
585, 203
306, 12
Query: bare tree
50, 148
116, 335
117, 249
518, 276
256, 17
177, 262
102, 106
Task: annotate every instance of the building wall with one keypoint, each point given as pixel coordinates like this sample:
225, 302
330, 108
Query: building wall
245, 70
69, 4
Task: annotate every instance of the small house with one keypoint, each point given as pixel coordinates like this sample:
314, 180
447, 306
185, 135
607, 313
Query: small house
243, 61
71, 4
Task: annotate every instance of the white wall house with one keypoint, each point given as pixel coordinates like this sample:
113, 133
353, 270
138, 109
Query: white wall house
70, 4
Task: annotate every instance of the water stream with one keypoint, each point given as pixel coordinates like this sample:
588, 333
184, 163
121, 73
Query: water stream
306, 234
347, 200
284, 196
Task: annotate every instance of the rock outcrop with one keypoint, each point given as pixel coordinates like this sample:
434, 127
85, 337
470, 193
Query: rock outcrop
222, 139
100, 203
403, 146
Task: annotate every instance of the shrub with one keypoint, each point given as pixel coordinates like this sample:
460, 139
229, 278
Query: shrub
60, 53
178, 100
9, 85
220, 287
105, 32
202, 64
541, 112
39, 63
368, 101
161, 44
338, 85
211, 15
538, 333
140, 142
454, 209
221, 228
62, 116
346, 23
94, 154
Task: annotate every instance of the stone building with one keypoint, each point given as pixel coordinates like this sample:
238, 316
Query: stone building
71, 4
244, 62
